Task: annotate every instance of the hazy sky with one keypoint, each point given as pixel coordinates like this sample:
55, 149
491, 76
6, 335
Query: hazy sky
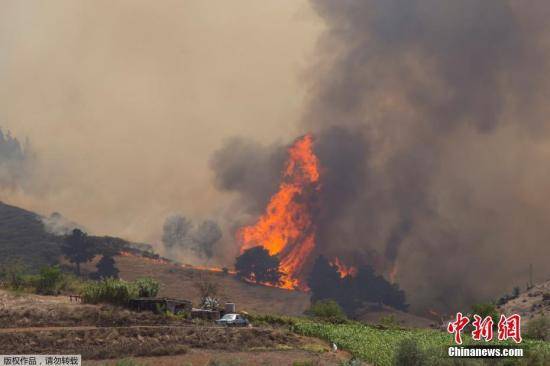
124, 102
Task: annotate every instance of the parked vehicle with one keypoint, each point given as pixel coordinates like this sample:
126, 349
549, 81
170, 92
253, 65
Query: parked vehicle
233, 320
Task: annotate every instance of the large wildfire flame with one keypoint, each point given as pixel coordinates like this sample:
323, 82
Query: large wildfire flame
287, 228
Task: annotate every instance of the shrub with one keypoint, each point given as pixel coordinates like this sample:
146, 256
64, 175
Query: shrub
389, 321
147, 287
328, 310
486, 309
71, 284
109, 290
408, 353
539, 328
118, 292
13, 274
49, 280
210, 303
270, 319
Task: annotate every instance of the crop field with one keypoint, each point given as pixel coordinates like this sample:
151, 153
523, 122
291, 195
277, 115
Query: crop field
378, 346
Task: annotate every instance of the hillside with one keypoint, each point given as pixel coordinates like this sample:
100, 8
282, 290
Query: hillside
22, 235
530, 303
179, 282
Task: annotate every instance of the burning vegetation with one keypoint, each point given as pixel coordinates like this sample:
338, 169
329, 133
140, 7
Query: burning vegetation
287, 228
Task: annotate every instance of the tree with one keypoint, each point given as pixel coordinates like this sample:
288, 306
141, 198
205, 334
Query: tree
208, 292
326, 309
367, 286
77, 248
207, 235
106, 267
175, 231
255, 264
351, 293
206, 287
324, 280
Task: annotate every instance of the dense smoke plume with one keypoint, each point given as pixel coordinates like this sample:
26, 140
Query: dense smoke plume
429, 119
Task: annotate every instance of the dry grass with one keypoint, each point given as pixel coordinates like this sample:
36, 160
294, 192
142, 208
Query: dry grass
529, 304
28, 310
103, 343
180, 282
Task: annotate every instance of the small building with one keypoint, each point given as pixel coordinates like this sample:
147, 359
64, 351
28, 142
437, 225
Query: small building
161, 305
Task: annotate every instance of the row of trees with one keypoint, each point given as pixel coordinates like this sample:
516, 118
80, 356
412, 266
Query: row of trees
79, 248
179, 233
350, 292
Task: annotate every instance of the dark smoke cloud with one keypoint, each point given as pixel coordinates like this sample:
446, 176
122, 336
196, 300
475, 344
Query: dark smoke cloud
448, 98
250, 169
429, 119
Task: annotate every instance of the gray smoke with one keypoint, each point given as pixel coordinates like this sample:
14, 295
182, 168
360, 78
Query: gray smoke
249, 168
182, 240
15, 160
59, 225
429, 119
175, 232
207, 235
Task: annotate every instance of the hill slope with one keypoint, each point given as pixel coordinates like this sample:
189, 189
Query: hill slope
22, 235
530, 303
180, 282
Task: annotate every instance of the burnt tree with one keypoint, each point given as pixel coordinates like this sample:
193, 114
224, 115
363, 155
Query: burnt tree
255, 264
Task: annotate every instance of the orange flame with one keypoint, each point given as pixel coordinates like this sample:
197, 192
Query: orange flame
165, 262
147, 259
434, 313
393, 273
286, 228
344, 270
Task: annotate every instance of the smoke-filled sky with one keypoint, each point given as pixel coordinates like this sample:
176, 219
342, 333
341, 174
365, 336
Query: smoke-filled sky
123, 102
430, 119
431, 125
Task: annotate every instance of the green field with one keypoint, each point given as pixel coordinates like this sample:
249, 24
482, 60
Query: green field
378, 346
